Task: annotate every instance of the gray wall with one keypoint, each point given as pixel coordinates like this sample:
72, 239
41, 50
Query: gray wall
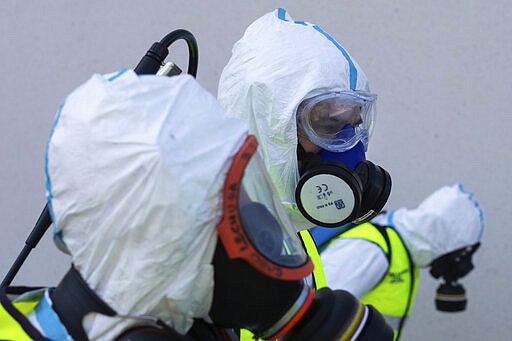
441, 69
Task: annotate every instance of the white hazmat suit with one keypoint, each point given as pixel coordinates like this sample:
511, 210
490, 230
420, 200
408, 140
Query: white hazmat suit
134, 183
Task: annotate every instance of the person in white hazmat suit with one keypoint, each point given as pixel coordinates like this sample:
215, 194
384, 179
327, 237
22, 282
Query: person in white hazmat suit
302, 94
379, 261
171, 221
309, 103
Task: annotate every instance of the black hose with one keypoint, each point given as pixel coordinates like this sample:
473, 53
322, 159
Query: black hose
155, 56
42, 224
193, 57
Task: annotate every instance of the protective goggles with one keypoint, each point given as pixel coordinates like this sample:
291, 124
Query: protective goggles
254, 226
336, 121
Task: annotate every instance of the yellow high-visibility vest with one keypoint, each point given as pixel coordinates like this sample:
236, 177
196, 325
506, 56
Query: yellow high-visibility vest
311, 249
394, 295
13, 325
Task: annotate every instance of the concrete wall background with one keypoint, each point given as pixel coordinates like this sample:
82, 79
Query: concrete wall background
441, 68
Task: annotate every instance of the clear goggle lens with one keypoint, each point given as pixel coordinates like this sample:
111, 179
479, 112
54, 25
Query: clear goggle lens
336, 121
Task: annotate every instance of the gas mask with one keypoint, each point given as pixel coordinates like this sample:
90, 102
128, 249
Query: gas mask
338, 188
451, 295
339, 185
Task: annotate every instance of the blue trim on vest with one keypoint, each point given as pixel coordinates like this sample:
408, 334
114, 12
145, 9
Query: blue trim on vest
322, 235
49, 321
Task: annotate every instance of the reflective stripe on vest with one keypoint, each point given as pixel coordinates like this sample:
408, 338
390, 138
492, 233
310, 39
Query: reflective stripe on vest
310, 247
394, 294
10, 327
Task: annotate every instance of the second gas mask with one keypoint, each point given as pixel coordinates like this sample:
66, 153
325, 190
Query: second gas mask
451, 295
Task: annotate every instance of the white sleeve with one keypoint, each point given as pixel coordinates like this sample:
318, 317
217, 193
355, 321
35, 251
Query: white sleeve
355, 265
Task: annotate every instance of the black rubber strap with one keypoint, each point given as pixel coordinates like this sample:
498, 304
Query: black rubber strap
383, 232
73, 299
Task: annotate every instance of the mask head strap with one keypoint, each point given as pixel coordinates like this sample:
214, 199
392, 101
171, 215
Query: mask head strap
73, 299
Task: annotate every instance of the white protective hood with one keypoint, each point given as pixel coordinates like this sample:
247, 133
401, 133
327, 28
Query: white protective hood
445, 221
135, 169
275, 65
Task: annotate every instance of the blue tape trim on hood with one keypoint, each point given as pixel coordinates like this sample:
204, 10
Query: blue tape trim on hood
48, 183
118, 74
352, 67
477, 205
47, 176
281, 14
